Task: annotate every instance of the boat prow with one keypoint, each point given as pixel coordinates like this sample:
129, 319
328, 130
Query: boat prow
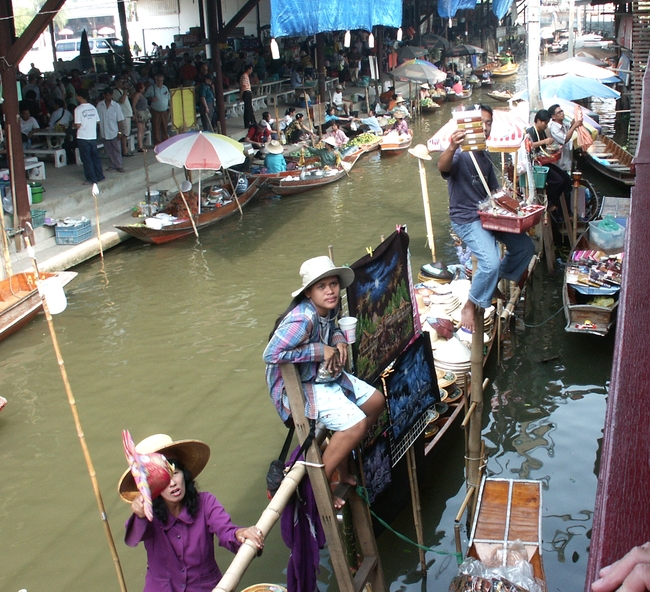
505, 70
611, 160
394, 143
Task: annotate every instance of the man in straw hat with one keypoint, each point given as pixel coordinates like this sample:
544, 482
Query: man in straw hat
274, 161
306, 334
180, 539
466, 191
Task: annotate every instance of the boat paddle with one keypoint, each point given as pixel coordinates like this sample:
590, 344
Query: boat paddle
95, 191
182, 194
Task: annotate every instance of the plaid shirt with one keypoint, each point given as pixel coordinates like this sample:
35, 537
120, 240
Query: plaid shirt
297, 341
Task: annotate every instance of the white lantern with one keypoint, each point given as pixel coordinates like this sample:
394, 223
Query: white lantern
371, 41
346, 39
275, 50
399, 34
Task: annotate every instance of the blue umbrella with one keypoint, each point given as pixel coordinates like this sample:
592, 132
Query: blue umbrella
572, 88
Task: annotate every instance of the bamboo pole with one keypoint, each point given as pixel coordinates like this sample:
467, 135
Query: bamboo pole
189, 212
271, 514
420, 152
476, 397
80, 433
416, 505
577, 175
95, 192
234, 193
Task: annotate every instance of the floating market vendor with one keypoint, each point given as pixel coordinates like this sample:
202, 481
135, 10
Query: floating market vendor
400, 107
425, 90
334, 131
297, 130
329, 155
274, 160
371, 122
306, 334
400, 124
466, 191
332, 116
180, 539
457, 87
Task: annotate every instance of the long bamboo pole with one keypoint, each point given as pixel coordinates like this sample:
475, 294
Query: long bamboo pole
80, 433
187, 207
95, 192
476, 397
271, 514
427, 208
417, 506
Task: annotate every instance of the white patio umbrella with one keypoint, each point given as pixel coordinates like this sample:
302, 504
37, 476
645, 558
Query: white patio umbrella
578, 67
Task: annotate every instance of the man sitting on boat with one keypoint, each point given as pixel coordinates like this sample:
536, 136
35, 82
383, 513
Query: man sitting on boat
274, 161
466, 191
258, 135
371, 122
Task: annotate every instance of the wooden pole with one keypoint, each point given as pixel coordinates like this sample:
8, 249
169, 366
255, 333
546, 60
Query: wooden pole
95, 192
234, 193
476, 399
427, 207
577, 175
14, 200
189, 212
367, 101
80, 432
146, 174
271, 514
417, 507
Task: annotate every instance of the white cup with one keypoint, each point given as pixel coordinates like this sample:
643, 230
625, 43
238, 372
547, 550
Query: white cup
349, 327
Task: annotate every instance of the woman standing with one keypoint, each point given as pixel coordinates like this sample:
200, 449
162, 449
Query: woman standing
142, 113
180, 539
246, 95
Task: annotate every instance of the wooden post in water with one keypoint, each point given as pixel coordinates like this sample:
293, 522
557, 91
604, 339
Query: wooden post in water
417, 506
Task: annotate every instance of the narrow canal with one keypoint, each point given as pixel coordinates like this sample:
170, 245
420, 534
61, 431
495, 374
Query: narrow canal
170, 338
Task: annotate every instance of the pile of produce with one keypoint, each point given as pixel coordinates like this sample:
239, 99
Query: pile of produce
427, 102
363, 139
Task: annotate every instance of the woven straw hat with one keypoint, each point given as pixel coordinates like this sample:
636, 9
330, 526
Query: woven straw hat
420, 151
274, 147
193, 454
318, 268
330, 141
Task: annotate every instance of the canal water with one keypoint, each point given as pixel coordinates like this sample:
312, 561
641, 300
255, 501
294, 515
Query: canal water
170, 339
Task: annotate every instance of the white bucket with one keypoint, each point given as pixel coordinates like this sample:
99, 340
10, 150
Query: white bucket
52, 290
154, 196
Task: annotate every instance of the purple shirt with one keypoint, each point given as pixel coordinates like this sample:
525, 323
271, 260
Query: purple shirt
298, 340
180, 553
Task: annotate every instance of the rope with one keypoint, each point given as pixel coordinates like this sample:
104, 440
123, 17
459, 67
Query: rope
363, 494
540, 324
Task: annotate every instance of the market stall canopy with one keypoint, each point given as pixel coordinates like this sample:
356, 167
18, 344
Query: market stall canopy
418, 71
507, 134
464, 49
200, 151
581, 68
295, 18
448, 8
409, 52
571, 88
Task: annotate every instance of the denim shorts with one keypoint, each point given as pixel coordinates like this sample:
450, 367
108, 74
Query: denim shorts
336, 411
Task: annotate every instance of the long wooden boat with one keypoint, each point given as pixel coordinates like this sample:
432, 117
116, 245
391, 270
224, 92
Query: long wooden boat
611, 160
505, 70
466, 94
508, 511
500, 95
430, 107
393, 143
301, 181
20, 300
582, 316
183, 226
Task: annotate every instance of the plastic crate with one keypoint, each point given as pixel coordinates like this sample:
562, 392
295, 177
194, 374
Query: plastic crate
539, 174
605, 239
511, 223
38, 218
73, 235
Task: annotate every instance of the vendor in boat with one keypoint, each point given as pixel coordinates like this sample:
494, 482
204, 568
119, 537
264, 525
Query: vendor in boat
400, 106
332, 116
466, 191
329, 155
400, 125
335, 132
371, 123
425, 91
557, 180
297, 130
258, 135
274, 161
180, 539
306, 334
457, 87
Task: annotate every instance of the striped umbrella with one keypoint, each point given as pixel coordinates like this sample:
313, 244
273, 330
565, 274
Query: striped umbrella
200, 151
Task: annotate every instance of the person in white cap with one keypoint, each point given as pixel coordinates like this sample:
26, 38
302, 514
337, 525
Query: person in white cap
306, 334
180, 538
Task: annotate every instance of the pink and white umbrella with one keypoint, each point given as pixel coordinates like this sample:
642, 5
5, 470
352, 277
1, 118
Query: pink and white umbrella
200, 151
508, 132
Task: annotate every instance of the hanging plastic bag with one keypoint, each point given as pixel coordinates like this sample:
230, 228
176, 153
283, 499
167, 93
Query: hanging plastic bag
584, 139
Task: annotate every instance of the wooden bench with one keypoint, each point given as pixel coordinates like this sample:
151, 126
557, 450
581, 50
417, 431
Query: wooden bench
283, 97
59, 155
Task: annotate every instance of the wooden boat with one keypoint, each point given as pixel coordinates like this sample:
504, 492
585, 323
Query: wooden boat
393, 143
466, 94
487, 82
508, 511
489, 67
611, 160
505, 70
430, 107
582, 316
301, 181
183, 226
20, 300
500, 95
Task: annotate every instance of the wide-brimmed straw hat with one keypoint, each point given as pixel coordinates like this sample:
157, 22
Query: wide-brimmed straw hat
420, 151
330, 141
274, 147
399, 115
400, 99
425, 86
321, 267
192, 454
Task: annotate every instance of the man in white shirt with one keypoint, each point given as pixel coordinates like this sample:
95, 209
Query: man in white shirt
562, 133
121, 97
110, 116
86, 119
158, 96
28, 125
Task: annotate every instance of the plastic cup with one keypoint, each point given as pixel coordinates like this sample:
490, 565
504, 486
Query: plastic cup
349, 327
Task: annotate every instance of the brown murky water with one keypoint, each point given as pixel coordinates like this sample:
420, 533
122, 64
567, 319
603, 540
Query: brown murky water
170, 340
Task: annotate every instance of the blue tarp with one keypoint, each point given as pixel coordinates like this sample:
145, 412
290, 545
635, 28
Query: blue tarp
501, 7
448, 8
295, 18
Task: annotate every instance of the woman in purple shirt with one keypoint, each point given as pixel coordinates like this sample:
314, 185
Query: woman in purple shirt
180, 539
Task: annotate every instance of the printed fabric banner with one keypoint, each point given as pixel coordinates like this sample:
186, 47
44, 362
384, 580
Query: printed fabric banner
293, 18
380, 299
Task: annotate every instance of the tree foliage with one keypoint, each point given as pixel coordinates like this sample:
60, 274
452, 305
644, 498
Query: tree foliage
26, 10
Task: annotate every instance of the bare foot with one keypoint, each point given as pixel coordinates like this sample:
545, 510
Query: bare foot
498, 294
337, 502
467, 316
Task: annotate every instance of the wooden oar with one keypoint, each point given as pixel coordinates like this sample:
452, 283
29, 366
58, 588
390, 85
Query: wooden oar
189, 212
80, 432
421, 153
234, 192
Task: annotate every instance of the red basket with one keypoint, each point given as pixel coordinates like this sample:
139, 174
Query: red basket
512, 223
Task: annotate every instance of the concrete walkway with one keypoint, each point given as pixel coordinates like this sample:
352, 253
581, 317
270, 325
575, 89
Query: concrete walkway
65, 196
